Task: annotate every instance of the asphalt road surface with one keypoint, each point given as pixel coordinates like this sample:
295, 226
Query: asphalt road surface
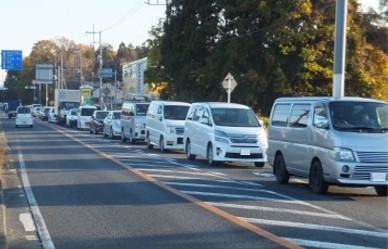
87, 191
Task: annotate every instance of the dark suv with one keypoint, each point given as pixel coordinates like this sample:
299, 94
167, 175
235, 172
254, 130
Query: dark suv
97, 121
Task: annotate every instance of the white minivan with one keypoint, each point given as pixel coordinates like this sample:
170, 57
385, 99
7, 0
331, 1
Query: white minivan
223, 132
327, 140
165, 124
84, 115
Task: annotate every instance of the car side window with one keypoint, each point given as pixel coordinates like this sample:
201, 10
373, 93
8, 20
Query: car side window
280, 115
300, 114
198, 113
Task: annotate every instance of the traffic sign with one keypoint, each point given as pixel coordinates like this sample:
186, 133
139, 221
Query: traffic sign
11, 60
229, 84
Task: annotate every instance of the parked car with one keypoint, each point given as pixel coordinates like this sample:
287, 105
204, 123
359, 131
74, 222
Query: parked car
43, 114
71, 118
112, 126
165, 124
23, 117
223, 132
97, 121
133, 116
35, 109
51, 116
84, 115
322, 139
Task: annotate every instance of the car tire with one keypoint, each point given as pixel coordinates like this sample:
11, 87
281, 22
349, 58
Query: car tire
381, 190
131, 138
149, 145
188, 151
161, 145
316, 181
210, 156
259, 164
280, 170
111, 133
123, 139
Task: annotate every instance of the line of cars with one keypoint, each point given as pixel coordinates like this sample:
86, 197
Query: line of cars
326, 140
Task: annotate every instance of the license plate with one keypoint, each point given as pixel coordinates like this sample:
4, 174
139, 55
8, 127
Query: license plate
378, 177
245, 152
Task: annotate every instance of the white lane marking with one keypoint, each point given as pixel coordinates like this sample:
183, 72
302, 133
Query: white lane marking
273, 209
245, 197
27, 221
173, 177
316, 227
326, 245
203, 185
44, 235
177, 171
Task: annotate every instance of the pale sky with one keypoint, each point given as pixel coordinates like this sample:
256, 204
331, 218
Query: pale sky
25, 22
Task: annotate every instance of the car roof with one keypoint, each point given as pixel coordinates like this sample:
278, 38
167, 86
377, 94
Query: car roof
222, 105
167, 102
327, 99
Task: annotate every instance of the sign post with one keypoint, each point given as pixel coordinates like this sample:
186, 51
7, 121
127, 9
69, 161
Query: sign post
229, 84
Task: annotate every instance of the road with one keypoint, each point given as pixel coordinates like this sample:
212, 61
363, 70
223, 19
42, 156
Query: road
93, 192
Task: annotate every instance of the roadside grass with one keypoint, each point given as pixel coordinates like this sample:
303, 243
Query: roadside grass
4, 155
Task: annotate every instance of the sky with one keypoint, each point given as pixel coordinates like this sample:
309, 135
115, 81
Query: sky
25, 22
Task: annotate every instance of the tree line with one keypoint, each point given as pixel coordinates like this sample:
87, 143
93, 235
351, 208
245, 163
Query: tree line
272, 48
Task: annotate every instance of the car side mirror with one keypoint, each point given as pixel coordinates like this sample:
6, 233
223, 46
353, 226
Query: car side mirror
204, 121
321, 122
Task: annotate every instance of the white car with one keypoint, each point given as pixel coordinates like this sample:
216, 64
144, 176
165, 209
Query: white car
71, 117
225, 132
51, 116
23, 117
84, 116
112, 126
165, 121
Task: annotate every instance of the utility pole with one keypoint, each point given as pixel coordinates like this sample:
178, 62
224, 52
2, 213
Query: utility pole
339, 49
100, 63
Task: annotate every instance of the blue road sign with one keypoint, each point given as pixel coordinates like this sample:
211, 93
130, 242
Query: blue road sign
11, 60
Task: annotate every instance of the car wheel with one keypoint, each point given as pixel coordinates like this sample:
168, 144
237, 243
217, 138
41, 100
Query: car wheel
90, 130
131, 139
259, 164
188, 151
210, 155
161, 145
381, 190
316, 181
111, 133
123, 139
149, 145
280, 170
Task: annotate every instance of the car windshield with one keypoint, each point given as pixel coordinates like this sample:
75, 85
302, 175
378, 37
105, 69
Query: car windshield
141, 109
175, 112
234, 117
87, 111
24, 110
359, 116
116, 115
68, 105
101, 115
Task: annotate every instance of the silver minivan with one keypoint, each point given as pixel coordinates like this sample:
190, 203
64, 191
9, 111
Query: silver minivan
340, 141
132, 121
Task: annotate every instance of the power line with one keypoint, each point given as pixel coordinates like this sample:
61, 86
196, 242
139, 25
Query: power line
132, 11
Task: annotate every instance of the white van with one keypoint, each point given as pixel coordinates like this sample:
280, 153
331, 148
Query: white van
165, 124
330, 141
84, 116
132, 121
223, 132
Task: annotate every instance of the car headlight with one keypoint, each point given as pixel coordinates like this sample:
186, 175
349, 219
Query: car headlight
116, 125
220, 136
170, 129
139, 125
343, 154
